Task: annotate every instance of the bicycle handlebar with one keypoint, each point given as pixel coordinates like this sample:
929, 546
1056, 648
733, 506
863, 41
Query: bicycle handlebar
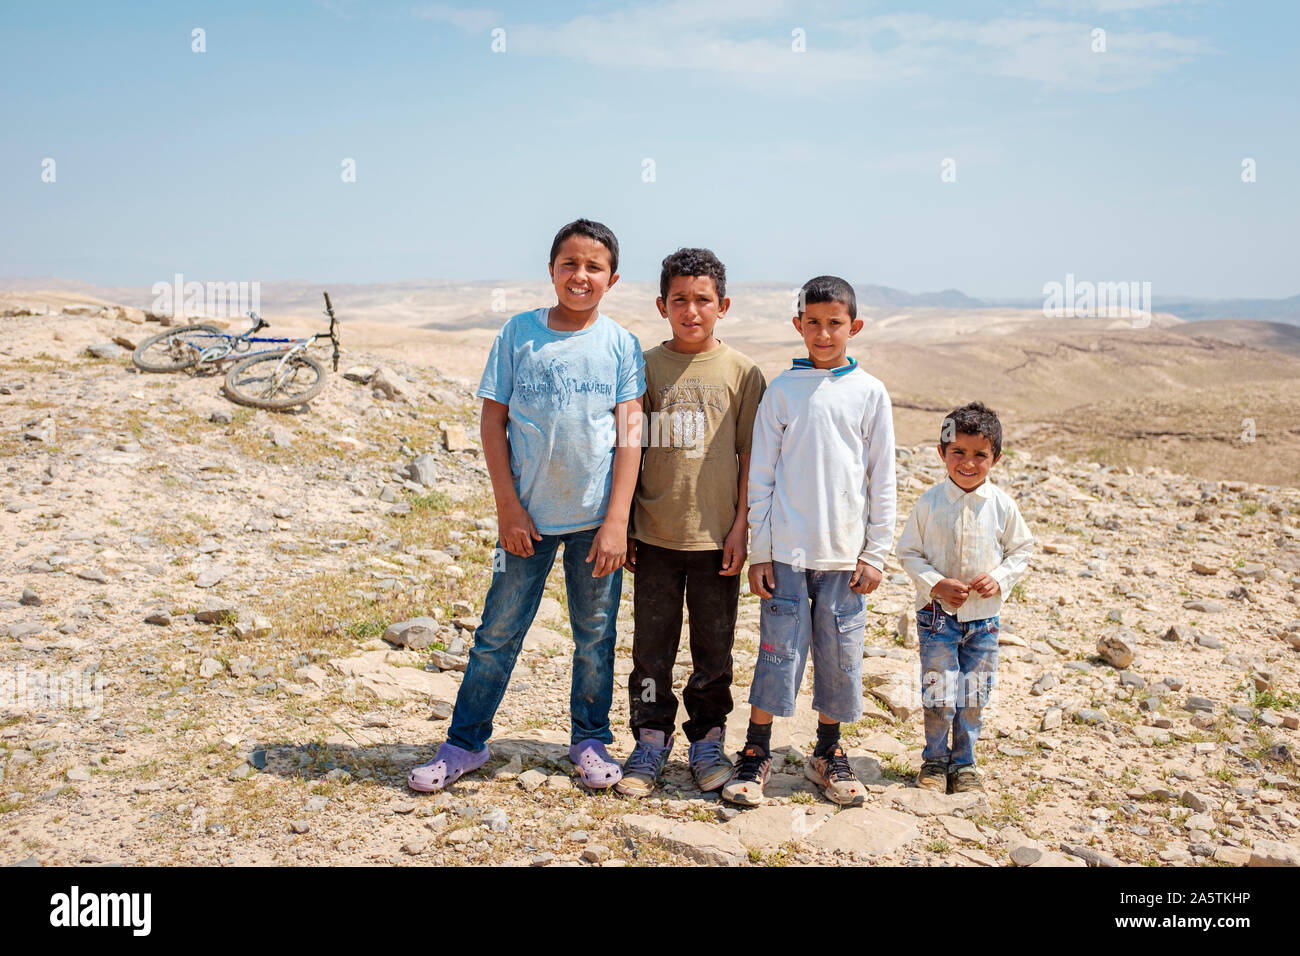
334, 335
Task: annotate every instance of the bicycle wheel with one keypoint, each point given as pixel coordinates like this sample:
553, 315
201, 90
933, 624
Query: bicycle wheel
175, 349
273, 381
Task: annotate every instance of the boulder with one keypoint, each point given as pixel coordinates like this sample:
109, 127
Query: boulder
702, 842
387, 384
1117, 649
417, 633
866, 831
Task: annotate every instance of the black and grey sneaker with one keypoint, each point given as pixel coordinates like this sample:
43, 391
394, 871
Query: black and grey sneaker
752, 770
831, 772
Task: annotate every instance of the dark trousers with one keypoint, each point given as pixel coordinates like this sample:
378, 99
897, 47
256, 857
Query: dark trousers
662, 578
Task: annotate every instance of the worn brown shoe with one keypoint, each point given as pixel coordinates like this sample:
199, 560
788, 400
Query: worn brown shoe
965, 780
933, 776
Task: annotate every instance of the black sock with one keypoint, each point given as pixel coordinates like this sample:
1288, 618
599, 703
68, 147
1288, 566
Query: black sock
828, 735
760, 735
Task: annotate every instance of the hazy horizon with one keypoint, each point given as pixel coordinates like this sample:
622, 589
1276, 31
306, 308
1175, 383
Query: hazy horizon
35, 284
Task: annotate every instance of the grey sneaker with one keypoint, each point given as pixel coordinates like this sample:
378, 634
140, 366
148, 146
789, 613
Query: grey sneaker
708, 762
642, 769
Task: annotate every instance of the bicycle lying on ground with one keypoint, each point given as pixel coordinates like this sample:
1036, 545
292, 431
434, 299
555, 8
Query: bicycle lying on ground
274, 378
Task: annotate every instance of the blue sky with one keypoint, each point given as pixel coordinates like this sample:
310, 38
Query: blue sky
226, 165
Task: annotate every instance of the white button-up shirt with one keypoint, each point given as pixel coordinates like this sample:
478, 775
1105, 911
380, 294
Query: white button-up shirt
961, 534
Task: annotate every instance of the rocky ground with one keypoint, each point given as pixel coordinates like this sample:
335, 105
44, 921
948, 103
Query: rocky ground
200, 664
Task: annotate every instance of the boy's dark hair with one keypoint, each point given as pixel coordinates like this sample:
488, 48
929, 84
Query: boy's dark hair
693, 262
828, 289
592, 230
975, 418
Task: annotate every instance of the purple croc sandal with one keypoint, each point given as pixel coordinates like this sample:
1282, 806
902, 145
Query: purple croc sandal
450, 764
594, 765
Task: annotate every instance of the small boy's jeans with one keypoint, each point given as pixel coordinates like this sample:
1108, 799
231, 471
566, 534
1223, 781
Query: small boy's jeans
959, 662
508, 612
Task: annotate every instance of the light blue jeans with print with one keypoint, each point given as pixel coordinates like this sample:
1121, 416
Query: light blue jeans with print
959, 663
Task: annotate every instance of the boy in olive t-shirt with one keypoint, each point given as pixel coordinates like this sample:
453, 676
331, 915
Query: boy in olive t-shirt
689, 524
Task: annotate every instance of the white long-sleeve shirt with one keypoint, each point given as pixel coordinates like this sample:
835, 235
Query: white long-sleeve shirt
821, 471
961, 534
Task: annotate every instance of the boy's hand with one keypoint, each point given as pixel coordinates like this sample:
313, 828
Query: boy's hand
951, 592
608, 550
516, 530
866, 578
734, 550
629, 562
985, 585
761, 579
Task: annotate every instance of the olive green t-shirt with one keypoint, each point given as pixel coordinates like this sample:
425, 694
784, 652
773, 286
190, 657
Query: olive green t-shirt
699, 417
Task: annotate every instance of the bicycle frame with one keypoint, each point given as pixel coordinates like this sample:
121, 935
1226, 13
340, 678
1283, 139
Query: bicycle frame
233, 343
271, 380
288, 354
239, 344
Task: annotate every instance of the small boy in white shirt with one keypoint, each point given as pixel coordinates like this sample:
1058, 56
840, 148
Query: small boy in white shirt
965, 546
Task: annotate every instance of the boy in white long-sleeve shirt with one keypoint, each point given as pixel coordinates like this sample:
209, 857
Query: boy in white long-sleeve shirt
965, 545
821, 519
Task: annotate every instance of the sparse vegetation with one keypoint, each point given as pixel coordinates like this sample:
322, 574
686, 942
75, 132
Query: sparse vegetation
336, 571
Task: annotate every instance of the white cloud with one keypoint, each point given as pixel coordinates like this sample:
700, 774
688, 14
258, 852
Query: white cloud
471, 20
1110, 6
749, 44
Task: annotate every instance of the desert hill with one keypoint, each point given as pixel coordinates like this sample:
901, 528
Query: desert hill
234, 584
1167, 392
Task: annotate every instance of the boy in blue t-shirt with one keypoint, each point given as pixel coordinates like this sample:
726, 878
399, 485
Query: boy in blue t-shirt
556, 383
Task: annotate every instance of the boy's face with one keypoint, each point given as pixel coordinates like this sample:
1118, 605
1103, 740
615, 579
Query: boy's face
826, 329
580, 273
692, 309
968, 460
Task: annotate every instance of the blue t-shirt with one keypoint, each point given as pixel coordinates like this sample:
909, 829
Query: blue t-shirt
562, 388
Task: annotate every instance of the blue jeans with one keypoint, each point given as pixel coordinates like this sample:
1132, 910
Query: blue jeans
508, 612
817, 610
959, 663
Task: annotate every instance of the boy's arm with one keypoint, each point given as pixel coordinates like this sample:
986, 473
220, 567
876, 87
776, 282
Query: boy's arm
911, 551
881, 485
733, 548
1017, 545
609, 548
634, 436
515, 527
751, 395
764, 451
